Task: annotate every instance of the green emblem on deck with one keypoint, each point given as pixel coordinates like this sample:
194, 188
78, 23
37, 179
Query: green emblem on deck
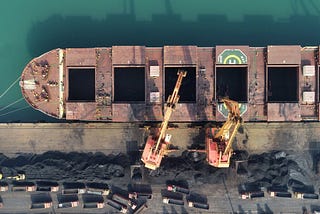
222, 108
232, 57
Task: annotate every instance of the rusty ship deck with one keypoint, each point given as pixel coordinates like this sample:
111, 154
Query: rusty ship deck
131, 83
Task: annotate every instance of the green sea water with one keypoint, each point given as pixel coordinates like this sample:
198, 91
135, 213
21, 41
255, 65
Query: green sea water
32, 27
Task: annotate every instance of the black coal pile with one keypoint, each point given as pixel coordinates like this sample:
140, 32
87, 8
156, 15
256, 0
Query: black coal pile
276, 169
314, 149
55, 165
191, 166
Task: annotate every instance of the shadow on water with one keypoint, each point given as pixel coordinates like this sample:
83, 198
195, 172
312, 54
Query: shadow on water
25, 114
169, 29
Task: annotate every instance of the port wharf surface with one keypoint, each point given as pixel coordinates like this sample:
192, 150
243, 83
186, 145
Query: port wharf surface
36, 138
17, 138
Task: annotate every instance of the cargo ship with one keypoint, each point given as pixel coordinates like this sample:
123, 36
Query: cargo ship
132, 83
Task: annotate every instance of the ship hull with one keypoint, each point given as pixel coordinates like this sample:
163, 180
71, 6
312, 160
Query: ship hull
131, 83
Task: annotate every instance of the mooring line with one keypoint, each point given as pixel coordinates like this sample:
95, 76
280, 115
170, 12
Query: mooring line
3, 108
19, 109
9, 87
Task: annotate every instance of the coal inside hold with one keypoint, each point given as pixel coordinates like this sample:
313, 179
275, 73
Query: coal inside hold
81, 84
129, 84
232, 83
187, 90
283, 84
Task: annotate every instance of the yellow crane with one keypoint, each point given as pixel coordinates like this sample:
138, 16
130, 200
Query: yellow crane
219, 141
157, 145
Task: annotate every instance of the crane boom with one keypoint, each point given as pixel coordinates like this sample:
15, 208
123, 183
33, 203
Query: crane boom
156, 146
231, 125
171, 104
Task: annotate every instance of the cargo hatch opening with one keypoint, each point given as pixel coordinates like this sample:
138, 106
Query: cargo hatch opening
231, 82
188, 88
282, 84
129, 84
81, 83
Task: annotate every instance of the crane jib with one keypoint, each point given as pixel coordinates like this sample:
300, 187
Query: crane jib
172, 101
